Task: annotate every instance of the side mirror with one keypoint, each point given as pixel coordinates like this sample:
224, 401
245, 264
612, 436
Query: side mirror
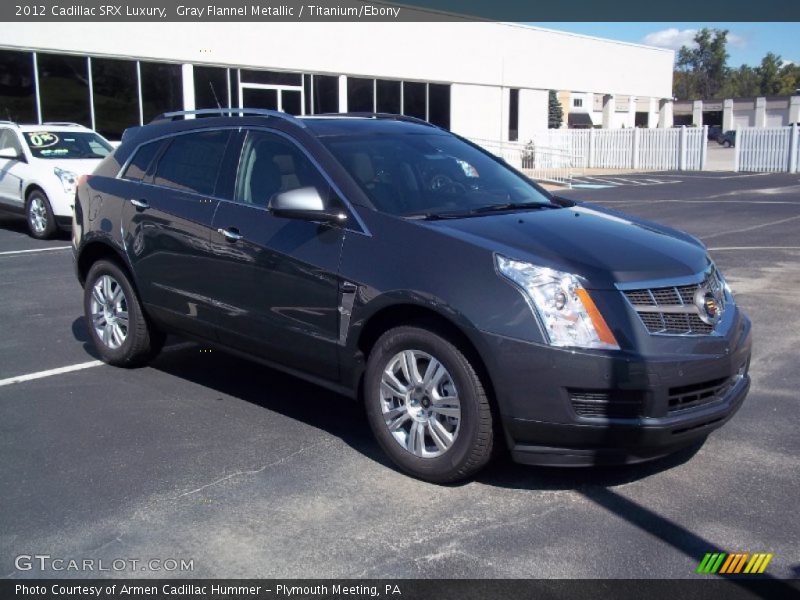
305, 204
11, 154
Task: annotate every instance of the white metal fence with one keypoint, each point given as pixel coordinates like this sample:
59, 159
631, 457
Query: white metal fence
763, 150
559, 154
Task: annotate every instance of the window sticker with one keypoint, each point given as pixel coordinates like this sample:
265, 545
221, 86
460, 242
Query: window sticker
42, 139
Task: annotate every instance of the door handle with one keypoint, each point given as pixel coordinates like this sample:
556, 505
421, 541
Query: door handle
140, 203
231, 234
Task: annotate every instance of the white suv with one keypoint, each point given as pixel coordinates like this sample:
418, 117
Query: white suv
39, 169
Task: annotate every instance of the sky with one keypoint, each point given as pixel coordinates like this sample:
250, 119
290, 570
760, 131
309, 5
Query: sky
747, 42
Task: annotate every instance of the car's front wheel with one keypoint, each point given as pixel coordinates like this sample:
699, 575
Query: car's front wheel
120, 331
427, 406
39, 213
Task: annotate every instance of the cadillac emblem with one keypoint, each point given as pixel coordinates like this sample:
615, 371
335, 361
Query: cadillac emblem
710, 301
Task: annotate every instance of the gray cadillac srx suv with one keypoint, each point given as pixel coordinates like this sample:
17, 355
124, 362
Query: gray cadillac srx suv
399, 264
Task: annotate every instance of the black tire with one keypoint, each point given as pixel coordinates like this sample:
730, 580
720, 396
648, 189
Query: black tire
38, 200
471, 449
726, 144
142, 341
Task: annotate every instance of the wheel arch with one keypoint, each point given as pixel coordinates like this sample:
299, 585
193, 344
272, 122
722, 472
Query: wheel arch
396, 315
96, 250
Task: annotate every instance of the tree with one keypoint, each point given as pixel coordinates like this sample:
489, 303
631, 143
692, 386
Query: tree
742, 82
555, 113
702, 70
769, 74
789, 79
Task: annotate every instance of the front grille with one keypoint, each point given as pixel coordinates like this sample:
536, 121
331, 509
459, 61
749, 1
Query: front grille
671, 310
699, 394
623, 405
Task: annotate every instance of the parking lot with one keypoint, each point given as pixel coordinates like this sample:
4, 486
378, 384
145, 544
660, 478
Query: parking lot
251, 473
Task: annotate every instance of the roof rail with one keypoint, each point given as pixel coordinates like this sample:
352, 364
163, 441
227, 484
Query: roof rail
4, 122
62, 124
230, 112
380, 115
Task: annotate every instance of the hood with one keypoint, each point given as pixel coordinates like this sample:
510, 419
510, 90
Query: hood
602, 246
79, 166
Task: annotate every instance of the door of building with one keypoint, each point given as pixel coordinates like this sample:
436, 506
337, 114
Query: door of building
286, 98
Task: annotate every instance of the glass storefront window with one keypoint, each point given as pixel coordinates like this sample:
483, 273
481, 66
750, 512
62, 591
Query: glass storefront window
64, 88
439, 104
414, 99
210, 87
162, 89
388, 100
360, 94
17, 91
116, 96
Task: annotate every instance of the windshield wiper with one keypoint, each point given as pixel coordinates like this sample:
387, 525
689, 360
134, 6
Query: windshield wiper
432, 216
512, 206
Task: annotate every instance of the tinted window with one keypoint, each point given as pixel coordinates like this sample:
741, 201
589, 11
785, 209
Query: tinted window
210, 87
360, 94
439, 104
64, 88
326, 94
17, 97
388, 99
116, 96
66, 144
162, 89
414, 99
192, 161
141, 160
270, 165
513, 115
273, 77
416, 173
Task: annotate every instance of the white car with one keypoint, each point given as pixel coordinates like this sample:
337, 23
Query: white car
39, 170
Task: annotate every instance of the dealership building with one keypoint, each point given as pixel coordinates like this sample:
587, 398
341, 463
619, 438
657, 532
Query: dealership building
483, 80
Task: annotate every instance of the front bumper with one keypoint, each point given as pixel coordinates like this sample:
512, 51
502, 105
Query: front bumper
577, 408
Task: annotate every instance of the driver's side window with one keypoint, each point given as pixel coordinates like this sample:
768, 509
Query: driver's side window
270, 165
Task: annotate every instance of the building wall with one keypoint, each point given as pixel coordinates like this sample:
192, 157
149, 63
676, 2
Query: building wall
476, 111
472, 52
481, 60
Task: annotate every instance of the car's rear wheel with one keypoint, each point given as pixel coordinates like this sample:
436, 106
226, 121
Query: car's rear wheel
427, 406
39, 213
118, 326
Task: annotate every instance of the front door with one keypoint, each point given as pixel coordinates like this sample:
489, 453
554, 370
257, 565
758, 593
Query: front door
277, 278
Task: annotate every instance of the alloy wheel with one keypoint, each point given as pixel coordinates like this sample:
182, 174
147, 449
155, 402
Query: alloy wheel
37, 214
420, 403
109, 310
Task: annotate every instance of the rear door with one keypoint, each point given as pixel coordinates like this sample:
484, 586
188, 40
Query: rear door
168, 222
277, 278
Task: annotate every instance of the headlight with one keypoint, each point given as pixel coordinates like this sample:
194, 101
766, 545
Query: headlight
68, 179
564, 307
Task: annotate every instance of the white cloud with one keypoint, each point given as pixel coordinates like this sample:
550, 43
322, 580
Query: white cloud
674, 38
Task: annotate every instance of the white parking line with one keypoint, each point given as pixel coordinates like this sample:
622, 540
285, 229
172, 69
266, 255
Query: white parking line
12, 252
77, 367
50, 372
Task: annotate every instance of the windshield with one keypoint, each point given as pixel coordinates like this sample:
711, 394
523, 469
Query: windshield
67, 144
430, 174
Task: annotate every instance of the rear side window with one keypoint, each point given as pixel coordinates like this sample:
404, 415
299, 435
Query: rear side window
192, 162
141, 160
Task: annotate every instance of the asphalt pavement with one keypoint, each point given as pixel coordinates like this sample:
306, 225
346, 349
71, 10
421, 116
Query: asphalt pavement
247, 472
